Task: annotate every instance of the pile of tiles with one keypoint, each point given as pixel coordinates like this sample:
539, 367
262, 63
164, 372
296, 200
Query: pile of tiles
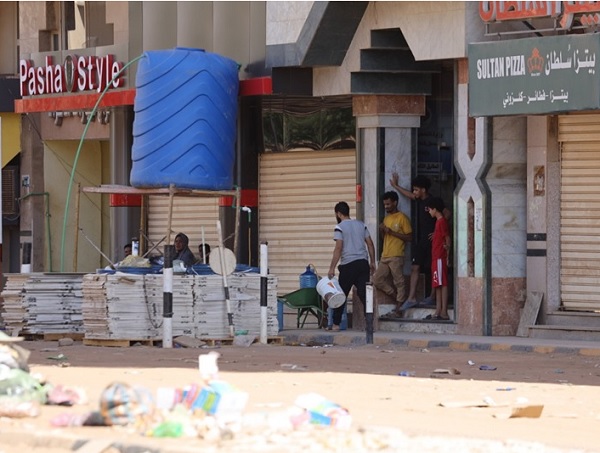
43, 303
129, 306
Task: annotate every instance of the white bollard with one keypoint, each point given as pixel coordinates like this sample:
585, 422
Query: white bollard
264, 270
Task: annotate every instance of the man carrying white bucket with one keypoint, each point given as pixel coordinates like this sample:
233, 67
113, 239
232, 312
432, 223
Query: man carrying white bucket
355, 252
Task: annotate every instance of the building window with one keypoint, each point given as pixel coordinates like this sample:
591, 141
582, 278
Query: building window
299, 123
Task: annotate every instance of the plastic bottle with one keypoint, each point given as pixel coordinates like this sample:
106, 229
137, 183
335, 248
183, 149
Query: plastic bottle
168, 429
318, 410
135, 247
344, 323
308, 279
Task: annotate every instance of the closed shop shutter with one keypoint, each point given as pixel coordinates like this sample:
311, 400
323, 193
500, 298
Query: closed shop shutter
580, 212
190, 214
298, 191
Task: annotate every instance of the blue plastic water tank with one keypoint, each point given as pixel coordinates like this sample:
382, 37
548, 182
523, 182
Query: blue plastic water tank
184, 128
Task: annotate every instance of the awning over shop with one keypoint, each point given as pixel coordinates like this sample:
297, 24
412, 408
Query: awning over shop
74, 102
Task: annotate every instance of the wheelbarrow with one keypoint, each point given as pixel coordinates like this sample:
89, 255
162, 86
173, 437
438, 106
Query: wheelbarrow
306, 301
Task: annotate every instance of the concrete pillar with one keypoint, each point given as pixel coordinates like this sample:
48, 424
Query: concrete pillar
490, 222
543, 167
471, 217
159, 25
124, 218
386, 141
33, 201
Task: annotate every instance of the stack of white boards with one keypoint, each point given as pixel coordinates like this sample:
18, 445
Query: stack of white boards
43, 303
14, 314
130, 306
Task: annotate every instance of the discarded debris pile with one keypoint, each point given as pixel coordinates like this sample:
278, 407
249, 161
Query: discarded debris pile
22, 394
210, 409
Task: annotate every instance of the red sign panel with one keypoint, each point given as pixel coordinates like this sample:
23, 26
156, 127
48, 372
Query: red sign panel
498, 11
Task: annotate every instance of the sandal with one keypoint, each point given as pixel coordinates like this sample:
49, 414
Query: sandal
436, 318
395, 314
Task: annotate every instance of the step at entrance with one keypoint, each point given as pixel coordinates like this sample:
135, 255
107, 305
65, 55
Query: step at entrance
555, 332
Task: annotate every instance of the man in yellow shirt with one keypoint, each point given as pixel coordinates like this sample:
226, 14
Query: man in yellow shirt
396, 230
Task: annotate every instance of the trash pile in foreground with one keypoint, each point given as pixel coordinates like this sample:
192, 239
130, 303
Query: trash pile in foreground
212, 410
209, 409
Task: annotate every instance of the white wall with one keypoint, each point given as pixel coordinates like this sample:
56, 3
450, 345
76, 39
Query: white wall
285, 21
433, 30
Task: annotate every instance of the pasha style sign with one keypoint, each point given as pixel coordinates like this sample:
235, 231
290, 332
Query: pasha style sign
535, 75
76, 73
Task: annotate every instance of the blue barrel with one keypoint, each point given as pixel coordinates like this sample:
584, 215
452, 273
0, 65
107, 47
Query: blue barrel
184, 128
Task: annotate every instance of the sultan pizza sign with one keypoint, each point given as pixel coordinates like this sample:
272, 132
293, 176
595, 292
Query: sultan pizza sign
534, 75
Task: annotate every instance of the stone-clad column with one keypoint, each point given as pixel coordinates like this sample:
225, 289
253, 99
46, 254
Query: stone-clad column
385, 131
385, 142
543, 197
471, 273
33, 209
125, 211
490, 219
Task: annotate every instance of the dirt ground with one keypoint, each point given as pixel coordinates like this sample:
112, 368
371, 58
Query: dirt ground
363, 379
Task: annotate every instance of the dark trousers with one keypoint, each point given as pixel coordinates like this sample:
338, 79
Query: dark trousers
355, 273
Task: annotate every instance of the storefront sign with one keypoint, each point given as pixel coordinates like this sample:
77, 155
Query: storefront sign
534, 75
588, 13
77, 73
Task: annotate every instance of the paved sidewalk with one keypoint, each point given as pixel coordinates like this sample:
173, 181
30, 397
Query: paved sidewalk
430, 341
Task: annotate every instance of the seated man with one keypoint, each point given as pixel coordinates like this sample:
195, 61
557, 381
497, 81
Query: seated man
203, 250
182, 250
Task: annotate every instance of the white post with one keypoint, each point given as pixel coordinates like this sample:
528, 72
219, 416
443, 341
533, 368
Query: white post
369, 313
1, 166
26, 259
264, 270
203, 248
168, 297
224, 275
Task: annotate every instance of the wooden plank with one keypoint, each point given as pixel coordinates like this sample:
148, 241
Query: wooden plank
279, 340
114, 188
530, 313
59, 336
188, 342
117, 343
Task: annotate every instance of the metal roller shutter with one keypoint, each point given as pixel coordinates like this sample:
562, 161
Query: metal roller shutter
298, 191
190, 214
580, 212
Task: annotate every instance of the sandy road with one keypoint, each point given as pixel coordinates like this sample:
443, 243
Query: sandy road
364, 379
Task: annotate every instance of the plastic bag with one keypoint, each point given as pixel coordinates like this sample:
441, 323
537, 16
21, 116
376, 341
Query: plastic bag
18, 385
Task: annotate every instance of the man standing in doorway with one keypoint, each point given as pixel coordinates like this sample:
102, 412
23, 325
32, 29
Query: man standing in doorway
396, 230
424, 226
355, 251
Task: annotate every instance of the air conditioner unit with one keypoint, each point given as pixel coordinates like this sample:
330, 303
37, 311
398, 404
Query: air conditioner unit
10, 191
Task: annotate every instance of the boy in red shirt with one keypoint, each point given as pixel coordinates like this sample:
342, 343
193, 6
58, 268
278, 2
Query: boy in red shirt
440, 245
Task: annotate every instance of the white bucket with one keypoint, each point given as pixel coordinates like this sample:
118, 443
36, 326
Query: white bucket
331, 292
